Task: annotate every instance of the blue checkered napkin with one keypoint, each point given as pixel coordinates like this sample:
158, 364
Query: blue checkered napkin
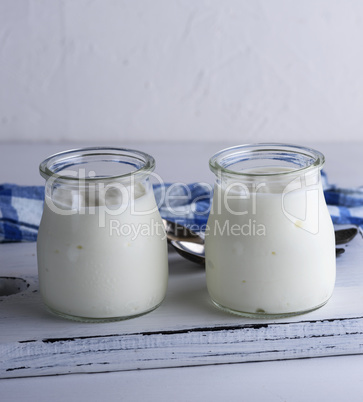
21, 207
20, 212
345, 205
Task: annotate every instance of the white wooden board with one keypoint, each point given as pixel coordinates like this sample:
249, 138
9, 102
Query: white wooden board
185, 330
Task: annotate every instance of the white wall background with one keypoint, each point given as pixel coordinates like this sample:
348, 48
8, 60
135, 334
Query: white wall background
237, 70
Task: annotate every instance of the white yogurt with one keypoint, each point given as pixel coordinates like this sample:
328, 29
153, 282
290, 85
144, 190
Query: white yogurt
274, 261
118, 270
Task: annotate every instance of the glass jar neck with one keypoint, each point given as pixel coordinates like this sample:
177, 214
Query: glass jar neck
267, 161
97, 165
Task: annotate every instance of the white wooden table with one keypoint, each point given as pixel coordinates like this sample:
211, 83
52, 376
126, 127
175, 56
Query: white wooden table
185, 347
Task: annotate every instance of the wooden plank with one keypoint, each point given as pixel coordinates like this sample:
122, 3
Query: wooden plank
186, 330
255, 342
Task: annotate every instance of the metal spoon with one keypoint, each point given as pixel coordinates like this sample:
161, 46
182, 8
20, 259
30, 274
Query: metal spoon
191, 251
190, 245
187, 243
177, 232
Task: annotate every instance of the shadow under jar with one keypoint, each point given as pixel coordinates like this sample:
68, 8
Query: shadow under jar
269, 245
101, 248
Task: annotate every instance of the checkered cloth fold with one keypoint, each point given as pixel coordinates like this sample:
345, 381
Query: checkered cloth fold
21, 207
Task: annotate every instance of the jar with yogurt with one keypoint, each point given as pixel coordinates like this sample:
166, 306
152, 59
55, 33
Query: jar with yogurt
101, 248
269, 245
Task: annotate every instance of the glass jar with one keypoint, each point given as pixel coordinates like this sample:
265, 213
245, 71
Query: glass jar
270, 245
101, 248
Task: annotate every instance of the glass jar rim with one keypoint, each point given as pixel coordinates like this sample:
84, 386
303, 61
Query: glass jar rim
48, 168
218, 163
